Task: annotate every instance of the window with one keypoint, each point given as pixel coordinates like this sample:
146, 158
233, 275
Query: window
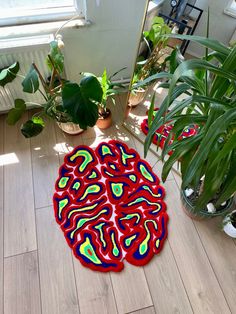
231, 8
14, 12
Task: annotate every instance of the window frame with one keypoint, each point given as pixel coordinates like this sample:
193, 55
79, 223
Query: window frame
78, 10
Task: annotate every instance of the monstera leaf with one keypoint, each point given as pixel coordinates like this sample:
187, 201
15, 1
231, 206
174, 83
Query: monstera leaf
7, 75
16, 113
32, 127
80, 101
31, 82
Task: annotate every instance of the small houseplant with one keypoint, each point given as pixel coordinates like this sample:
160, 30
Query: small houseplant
229, 224
156, 44
109, 89
64, 101
207, 160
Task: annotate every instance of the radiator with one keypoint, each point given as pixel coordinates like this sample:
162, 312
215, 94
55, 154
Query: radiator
25, 51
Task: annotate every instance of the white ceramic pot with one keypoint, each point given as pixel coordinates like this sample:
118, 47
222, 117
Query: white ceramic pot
70, 128
229, 229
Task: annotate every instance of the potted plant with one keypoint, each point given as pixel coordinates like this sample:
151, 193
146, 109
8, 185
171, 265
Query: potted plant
109, 89
229, 224
74, 106
207, 160
156, 44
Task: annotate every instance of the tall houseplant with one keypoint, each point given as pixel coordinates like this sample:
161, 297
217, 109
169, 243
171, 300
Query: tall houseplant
64, 100
208, 159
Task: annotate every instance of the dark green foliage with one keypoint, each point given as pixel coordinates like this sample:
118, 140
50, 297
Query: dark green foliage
8, 74
208, 90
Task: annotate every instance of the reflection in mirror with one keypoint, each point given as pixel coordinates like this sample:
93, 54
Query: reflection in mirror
155, 54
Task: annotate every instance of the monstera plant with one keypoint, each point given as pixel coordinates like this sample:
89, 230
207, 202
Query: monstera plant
64, 101
201, 93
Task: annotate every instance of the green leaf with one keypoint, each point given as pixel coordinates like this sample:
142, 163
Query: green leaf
194, 64
217, 128
30, 129
183, 147
158, 119
206, 42
151, 79
80, 101
31, 82
8, 74
38, 120
16, 113
57, 57
151, 110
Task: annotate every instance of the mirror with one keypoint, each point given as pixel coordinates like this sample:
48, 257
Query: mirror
162, 17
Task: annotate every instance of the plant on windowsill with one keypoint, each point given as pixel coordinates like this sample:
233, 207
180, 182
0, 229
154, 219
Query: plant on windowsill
74, 106
207, 160
155, 63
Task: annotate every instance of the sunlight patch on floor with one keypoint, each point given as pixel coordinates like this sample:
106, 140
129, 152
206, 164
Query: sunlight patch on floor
62, 148
7, 159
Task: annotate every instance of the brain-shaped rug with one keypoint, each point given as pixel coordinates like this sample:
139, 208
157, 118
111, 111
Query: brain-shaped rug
163, 132
110, 206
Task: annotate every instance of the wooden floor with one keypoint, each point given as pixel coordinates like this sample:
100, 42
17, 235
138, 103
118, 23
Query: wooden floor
195, 272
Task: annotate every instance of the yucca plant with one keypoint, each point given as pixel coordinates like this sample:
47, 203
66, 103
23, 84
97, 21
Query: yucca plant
207, 160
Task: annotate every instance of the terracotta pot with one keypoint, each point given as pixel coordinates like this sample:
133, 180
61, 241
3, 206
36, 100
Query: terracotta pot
137, 98
104, 123
70, 128
191, 211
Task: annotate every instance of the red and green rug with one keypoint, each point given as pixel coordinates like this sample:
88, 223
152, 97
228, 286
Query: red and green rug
110, 207
163, 132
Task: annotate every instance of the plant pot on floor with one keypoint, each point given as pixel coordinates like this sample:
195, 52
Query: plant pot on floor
137, 97
105, 120
196, 214
70, 128
229, 224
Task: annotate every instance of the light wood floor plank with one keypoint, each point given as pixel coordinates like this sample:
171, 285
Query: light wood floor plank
131, 289
147, 310
167, 290
21, 284
94, 291
199, 279
221, 251
45, 165
19, 215
66, 143
1, 216
58, 289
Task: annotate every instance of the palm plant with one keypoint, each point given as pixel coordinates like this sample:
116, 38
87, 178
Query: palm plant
208, 89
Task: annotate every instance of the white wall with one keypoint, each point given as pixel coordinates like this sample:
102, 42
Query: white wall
222, 26
111, 41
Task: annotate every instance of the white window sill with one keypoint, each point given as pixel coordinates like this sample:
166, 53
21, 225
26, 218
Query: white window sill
40, 28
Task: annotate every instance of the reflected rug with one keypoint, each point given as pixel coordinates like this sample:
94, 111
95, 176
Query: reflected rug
110, 207
163, 132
